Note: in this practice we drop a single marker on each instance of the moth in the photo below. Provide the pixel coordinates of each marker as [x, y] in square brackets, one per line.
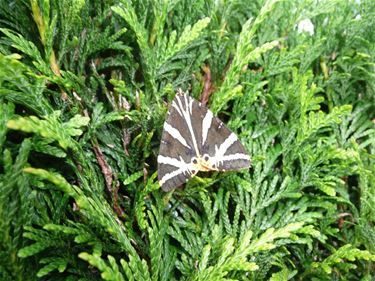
[193, 140]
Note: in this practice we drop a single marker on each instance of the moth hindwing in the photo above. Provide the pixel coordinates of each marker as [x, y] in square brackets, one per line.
[195, 140]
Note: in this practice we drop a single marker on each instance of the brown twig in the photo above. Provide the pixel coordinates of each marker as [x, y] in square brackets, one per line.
[341, 221]
[207, 87]
[106, 169]
[145, 174]
[108, 176]
[125, 141]
[116, 206]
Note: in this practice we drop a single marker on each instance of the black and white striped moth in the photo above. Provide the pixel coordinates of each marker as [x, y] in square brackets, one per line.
[195, 140]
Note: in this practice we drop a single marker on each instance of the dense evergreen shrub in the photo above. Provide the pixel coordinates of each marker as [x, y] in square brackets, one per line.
[84, 90]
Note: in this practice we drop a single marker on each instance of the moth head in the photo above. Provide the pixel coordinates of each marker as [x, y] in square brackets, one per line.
[207, 162]
[195, 165]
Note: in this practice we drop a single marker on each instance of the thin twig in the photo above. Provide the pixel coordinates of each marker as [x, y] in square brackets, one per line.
[108, 176]
[106, 169]
[207, 88]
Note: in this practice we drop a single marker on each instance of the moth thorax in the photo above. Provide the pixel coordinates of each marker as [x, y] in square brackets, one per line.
[203, 163]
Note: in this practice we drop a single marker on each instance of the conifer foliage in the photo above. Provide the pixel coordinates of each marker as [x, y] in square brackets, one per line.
[84, 90]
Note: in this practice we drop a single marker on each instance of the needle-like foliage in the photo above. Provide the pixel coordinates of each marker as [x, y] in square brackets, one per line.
[84, 90]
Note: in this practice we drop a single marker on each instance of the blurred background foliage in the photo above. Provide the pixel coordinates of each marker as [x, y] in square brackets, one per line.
[84, 90]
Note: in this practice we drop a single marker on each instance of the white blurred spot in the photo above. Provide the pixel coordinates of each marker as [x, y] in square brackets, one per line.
[306, 26]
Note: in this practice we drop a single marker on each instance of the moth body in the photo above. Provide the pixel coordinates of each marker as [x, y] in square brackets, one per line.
[195, 140]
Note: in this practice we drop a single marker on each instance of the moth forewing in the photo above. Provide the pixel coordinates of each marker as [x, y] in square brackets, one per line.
[193, 140]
